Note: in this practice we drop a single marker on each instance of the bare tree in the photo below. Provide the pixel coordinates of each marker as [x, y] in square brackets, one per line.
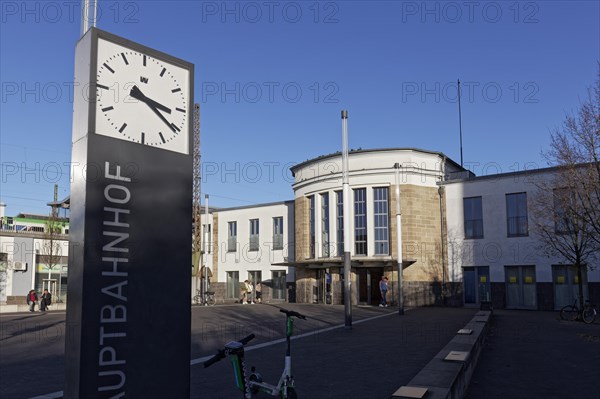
[575, 149]
[51, 252]
[566, 208]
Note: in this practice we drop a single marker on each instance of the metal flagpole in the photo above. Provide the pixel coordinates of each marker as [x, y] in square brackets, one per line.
[85, 15]
[346, 210]
[206, 248]
[460, 125]
[399, 240]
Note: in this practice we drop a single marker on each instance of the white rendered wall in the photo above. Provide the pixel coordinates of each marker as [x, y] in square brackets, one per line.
[496, 249]
[244, 260]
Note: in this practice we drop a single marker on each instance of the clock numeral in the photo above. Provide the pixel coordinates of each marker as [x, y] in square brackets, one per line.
[180, 110]
[109, 68]
[163, 72]
[143, 137]
[175, 90]
[124, 58]
[107, 109]
[162, 137]
[122, 127]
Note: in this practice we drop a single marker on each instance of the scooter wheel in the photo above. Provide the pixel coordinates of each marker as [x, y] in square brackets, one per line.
[256, 378]
[291, 393]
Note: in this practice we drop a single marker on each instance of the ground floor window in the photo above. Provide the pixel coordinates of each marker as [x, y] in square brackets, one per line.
[233, 285]
[476, 281]
[566, 285]
[521, 290]
[54, 280]
[278, 290]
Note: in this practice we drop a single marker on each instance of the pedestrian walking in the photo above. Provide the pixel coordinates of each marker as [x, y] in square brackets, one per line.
[383, 289]
[46, 300]
[249, 290]
[32, 298]
[258, 291]
[244, 293]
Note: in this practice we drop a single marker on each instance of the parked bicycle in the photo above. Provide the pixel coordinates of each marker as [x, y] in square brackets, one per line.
[573, 312]
[252, 383]
[208, 299]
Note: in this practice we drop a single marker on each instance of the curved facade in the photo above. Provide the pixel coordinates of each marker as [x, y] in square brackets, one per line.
[373, 177]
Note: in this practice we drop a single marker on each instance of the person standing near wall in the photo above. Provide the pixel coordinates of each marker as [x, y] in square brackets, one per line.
[383, 289]
[258, 291]
[46, 300]
[31, 300]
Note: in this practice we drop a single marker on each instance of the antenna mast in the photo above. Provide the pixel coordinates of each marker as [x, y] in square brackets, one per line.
[196, 216]
[460, 125]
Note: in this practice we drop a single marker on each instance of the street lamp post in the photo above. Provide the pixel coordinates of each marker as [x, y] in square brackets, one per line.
[399, 239]
[346, 213]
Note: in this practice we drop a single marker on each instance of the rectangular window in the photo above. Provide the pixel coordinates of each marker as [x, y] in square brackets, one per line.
[360, 221]
[254, 240]
[278, 232]
[381, 221]
[278, 290]
[473, 217]
[207, 238]
[311, 223]
[340, 222]
[325, 223]
[233, 285]
[516, 215]
[232, 236]
[564, 199]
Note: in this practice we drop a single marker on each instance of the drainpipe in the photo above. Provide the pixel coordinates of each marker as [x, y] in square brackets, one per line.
[441, 191]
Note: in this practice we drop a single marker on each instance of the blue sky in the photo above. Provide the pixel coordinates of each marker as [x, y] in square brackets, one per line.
[272, 77]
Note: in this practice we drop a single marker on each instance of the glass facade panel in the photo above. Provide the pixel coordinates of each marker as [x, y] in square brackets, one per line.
[233, 285]
[232, 236]
[360, 221]
[278, 290]
[325, 223]
[381, 221]
[311, 223]
[278, 232]
[473, 213]
[340, 223]
[254, 235]
[516, 214]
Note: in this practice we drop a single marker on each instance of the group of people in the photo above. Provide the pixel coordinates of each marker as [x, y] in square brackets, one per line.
[251, 294]
[45, 301]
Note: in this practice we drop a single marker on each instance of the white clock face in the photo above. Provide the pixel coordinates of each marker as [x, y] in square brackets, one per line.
[141, 98]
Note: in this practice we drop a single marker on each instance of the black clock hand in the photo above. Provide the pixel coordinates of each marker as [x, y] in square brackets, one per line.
[138, 95]
[161, 116]
[154, 106]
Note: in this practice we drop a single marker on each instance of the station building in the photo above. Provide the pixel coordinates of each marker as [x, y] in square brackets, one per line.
[465, 239]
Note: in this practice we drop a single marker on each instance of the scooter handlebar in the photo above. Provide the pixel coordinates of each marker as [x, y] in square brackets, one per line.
[220, 355]
[292, 313]
[247, 339]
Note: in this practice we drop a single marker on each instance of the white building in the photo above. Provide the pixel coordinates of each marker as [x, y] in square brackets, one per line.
[465, 239]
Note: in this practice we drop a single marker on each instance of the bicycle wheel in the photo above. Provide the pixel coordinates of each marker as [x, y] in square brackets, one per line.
[210, 300]
[291, 393]
[197, 299]
[588, 315]
[568, 313]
